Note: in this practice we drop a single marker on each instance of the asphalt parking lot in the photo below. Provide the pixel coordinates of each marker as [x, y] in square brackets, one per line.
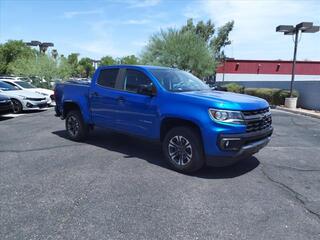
[118, 187]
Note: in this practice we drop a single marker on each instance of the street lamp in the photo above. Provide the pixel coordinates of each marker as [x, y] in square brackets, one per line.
[95, 63]
[304, 27]
[43, 46]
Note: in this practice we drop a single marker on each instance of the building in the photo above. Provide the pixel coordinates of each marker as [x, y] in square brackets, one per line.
[275, 74]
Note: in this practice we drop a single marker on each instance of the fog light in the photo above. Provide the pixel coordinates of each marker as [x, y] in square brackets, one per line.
[29, 105]
[232, 144]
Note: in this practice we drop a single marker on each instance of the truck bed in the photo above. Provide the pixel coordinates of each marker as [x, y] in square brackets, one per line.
[71, 91]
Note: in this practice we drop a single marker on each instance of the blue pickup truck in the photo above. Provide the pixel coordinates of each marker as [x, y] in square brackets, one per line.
[196, 125]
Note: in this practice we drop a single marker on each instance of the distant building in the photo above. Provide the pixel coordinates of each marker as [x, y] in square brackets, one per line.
[275, 74]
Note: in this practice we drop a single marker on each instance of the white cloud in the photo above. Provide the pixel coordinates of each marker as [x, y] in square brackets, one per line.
[136, 21]
[143, 3]
[72, 14]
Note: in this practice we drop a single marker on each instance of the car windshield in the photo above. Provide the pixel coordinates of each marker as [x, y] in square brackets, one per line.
[24, 84]
[7, 87]
[178, 81]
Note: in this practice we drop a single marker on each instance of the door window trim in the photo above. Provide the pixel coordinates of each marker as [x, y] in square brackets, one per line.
[122, 80]
[116, 84]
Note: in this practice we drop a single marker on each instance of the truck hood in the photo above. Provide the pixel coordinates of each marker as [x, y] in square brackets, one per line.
[228, 100]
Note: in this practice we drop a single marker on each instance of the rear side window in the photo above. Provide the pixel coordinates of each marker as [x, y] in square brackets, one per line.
[108, 77]
[134, 80]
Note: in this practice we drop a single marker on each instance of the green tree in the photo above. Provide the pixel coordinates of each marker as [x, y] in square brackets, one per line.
[221, 40]
[207, 31]
[194, 47]
[181, 49]
[204, 30]
[131, 60]
[42, 67]
[73, 62]
[85, 67]
[11, 51]
[107, 60]
[64, 68]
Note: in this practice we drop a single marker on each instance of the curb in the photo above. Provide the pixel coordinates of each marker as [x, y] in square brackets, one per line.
[313, 115]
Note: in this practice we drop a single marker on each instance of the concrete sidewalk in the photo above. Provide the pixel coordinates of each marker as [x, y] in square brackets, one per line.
[310, 113]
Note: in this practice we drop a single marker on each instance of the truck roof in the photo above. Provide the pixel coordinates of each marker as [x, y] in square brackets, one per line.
[147, 67]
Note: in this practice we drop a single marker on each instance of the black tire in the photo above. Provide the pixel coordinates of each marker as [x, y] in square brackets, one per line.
[76, 129]
[189, 157]
[17, 106]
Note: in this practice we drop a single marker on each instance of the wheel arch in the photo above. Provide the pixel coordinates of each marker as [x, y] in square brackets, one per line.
[16, 99]
[70, 106]
[170, 122]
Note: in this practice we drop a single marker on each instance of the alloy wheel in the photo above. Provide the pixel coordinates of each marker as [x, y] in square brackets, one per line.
[73, 126]
[180, 150]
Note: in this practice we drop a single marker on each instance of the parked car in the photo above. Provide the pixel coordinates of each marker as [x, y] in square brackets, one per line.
[47, 93]
[5, 104]
[195, 124]
[22, 99]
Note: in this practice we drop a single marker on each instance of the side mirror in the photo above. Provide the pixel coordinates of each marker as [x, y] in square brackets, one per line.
[149, 90]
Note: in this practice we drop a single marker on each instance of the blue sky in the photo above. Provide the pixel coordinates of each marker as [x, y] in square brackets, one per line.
[109, 27]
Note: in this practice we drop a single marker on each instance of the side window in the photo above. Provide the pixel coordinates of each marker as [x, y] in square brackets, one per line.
[10, 83]
[13, 85]
[134, 80]
[108, 77]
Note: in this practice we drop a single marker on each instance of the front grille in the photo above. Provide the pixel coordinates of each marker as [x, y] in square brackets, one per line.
[257, 120]
[36, 99]
[255, 112]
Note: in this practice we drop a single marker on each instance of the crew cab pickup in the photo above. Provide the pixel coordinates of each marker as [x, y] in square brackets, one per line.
[196, 125]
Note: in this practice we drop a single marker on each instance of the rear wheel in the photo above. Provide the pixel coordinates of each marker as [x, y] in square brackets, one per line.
[183, 149]
[76, 128]
[17, 106]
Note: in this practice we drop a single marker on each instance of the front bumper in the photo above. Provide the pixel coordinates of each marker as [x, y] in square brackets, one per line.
[34, 105]
[246, 145]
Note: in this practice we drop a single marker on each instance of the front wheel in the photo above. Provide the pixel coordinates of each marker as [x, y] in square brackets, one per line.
[17, 106]
[76, 128]
[183, 149]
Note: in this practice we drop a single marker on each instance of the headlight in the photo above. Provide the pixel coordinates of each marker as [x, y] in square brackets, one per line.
[226, 116]
[44, 94]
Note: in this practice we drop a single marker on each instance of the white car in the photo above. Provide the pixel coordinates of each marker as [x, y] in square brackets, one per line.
[23, 100]
[49, 94]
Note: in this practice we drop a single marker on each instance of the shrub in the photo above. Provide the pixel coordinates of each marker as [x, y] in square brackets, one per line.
[274, 96]
[234, 87]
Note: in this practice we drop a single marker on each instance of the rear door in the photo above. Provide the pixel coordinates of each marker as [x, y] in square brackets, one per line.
[137, 113]
[104, 98]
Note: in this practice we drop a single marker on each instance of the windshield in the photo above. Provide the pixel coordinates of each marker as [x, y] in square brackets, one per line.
[178, 81]
[24, 84]
[7, 87]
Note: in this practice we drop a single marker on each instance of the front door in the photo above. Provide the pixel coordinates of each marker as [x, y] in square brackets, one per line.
[137, 113]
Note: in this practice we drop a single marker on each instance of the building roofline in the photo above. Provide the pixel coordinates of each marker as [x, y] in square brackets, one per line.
[271, 61]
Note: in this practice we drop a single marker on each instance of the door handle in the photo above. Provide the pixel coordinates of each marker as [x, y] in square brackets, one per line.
[120, 99]
[94, 94]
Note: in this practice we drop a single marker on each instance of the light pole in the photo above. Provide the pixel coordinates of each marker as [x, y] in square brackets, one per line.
[43, 46]
[303, 27]
[95, 63]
